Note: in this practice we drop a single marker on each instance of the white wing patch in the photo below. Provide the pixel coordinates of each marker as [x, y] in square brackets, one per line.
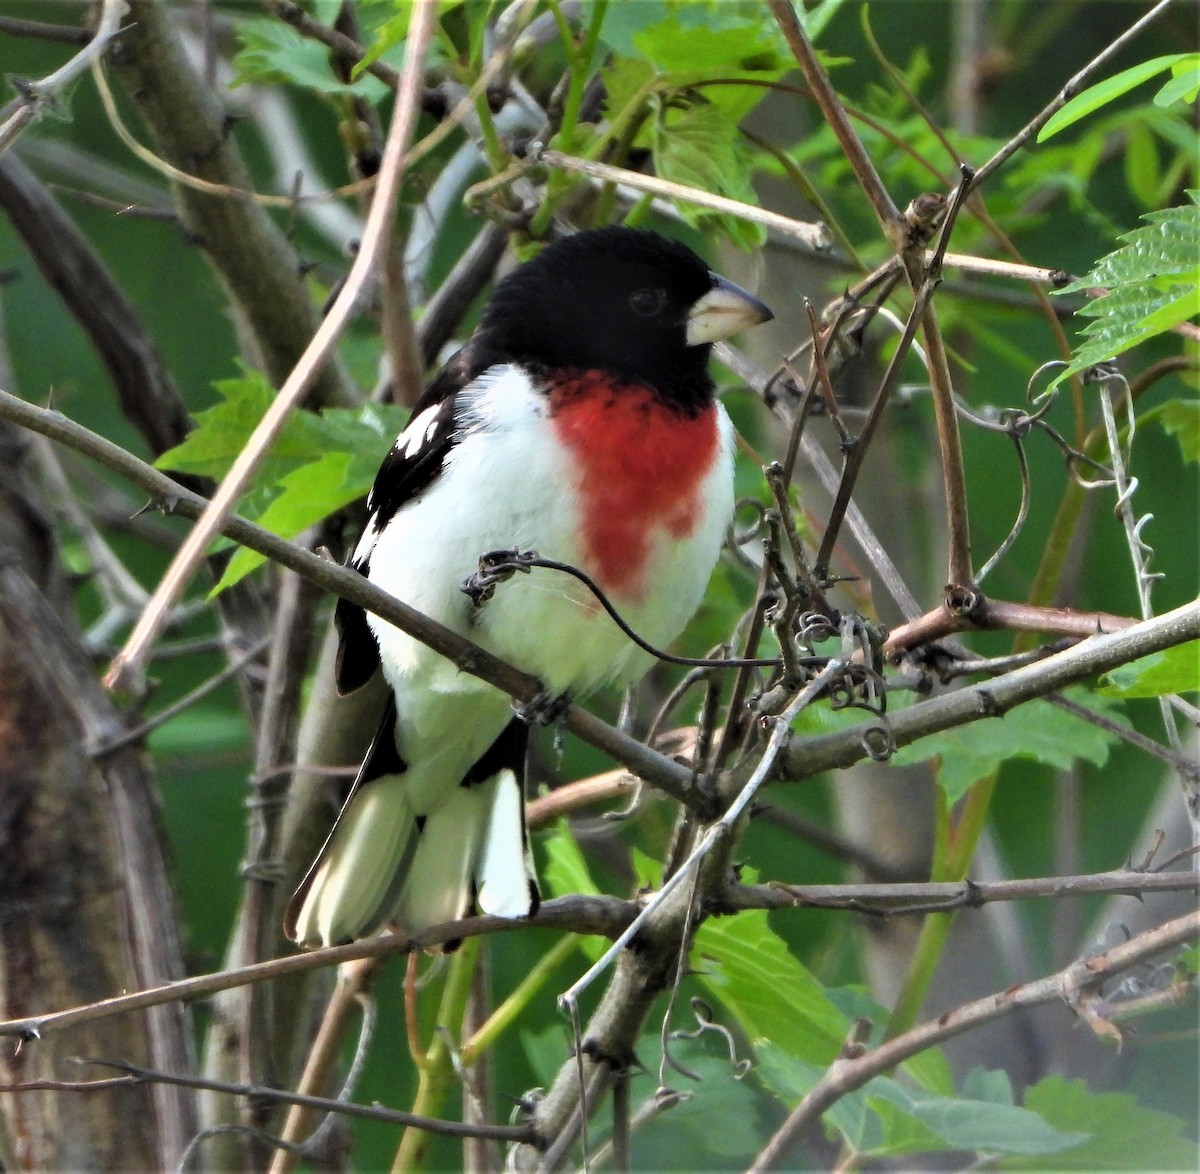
[418, 432]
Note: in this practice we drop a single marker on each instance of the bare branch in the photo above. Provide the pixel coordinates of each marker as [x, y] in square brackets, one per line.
[41, 95]
[281, 1096]
[603, 916]
[919, 897]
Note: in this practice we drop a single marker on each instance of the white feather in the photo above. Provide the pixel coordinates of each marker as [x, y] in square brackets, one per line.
[504, 872]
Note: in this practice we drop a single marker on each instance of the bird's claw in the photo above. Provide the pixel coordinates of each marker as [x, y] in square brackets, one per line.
[495, 567]
[546, 709]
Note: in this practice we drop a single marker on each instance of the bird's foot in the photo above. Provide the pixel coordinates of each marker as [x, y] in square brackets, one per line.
[495, 567]
[546, 709]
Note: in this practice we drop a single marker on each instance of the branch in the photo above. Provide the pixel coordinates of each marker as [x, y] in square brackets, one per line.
[919, 897]
[259, 1092]
[834, 113]
[993, 614]
[1068, 985]
[600, 916]
[806, 757]
[36, 97]
[1066, 94]
[812, 236]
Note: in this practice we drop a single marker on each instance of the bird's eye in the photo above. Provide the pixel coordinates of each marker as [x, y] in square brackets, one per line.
[647, 302]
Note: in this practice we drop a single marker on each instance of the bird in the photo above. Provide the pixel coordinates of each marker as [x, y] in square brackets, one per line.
[579, 421]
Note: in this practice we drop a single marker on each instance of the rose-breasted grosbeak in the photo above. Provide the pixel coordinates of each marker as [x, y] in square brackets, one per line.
[579, 421]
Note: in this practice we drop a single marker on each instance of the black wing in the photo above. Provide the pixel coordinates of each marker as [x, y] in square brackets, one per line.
[412, 465]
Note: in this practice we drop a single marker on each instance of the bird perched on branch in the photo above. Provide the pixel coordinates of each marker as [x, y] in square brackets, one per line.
[579, 421]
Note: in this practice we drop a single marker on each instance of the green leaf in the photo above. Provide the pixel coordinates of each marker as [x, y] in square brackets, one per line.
[1175, 670]
[961, 1124]
[272, 51]
[309, 494]
[1124, 1135]
[688, 1127]
[566, 873]
[1153, 283]
[988, 1084]
[1102, 93]
[222, 430]
[1036, 730]
[886, 1119]
[318, 463]
[697, 146]
[1143, 169]
[1181, 418]
[1184, 86]
[388, 36]
[200, 730]
[748, 968]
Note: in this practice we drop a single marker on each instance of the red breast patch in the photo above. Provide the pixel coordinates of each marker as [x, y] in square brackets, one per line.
[640, 467]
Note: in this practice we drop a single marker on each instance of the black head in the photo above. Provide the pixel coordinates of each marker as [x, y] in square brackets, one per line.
[620, 300]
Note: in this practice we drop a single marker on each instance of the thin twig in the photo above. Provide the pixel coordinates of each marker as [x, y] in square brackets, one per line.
[259, 1092]
[812, 236]
[40, 95]
[605, 916]
[1073, 86]
[897, 898]
[834, 113]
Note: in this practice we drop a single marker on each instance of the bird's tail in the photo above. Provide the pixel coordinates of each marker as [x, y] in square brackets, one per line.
[386, 864]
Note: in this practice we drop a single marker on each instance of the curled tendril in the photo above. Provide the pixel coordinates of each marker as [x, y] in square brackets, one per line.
[879, 741]
[706, 1022]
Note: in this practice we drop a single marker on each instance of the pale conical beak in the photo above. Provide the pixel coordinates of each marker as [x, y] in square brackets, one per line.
[724, 310]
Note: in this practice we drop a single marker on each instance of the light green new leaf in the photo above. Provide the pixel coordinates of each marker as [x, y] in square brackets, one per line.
[566, 873]
[1036, 730]
[697, 146]
[1183, 87]
[1124, 1135]
[317, 464]
[1175, 670]
[307, 495]
[1085, 102]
